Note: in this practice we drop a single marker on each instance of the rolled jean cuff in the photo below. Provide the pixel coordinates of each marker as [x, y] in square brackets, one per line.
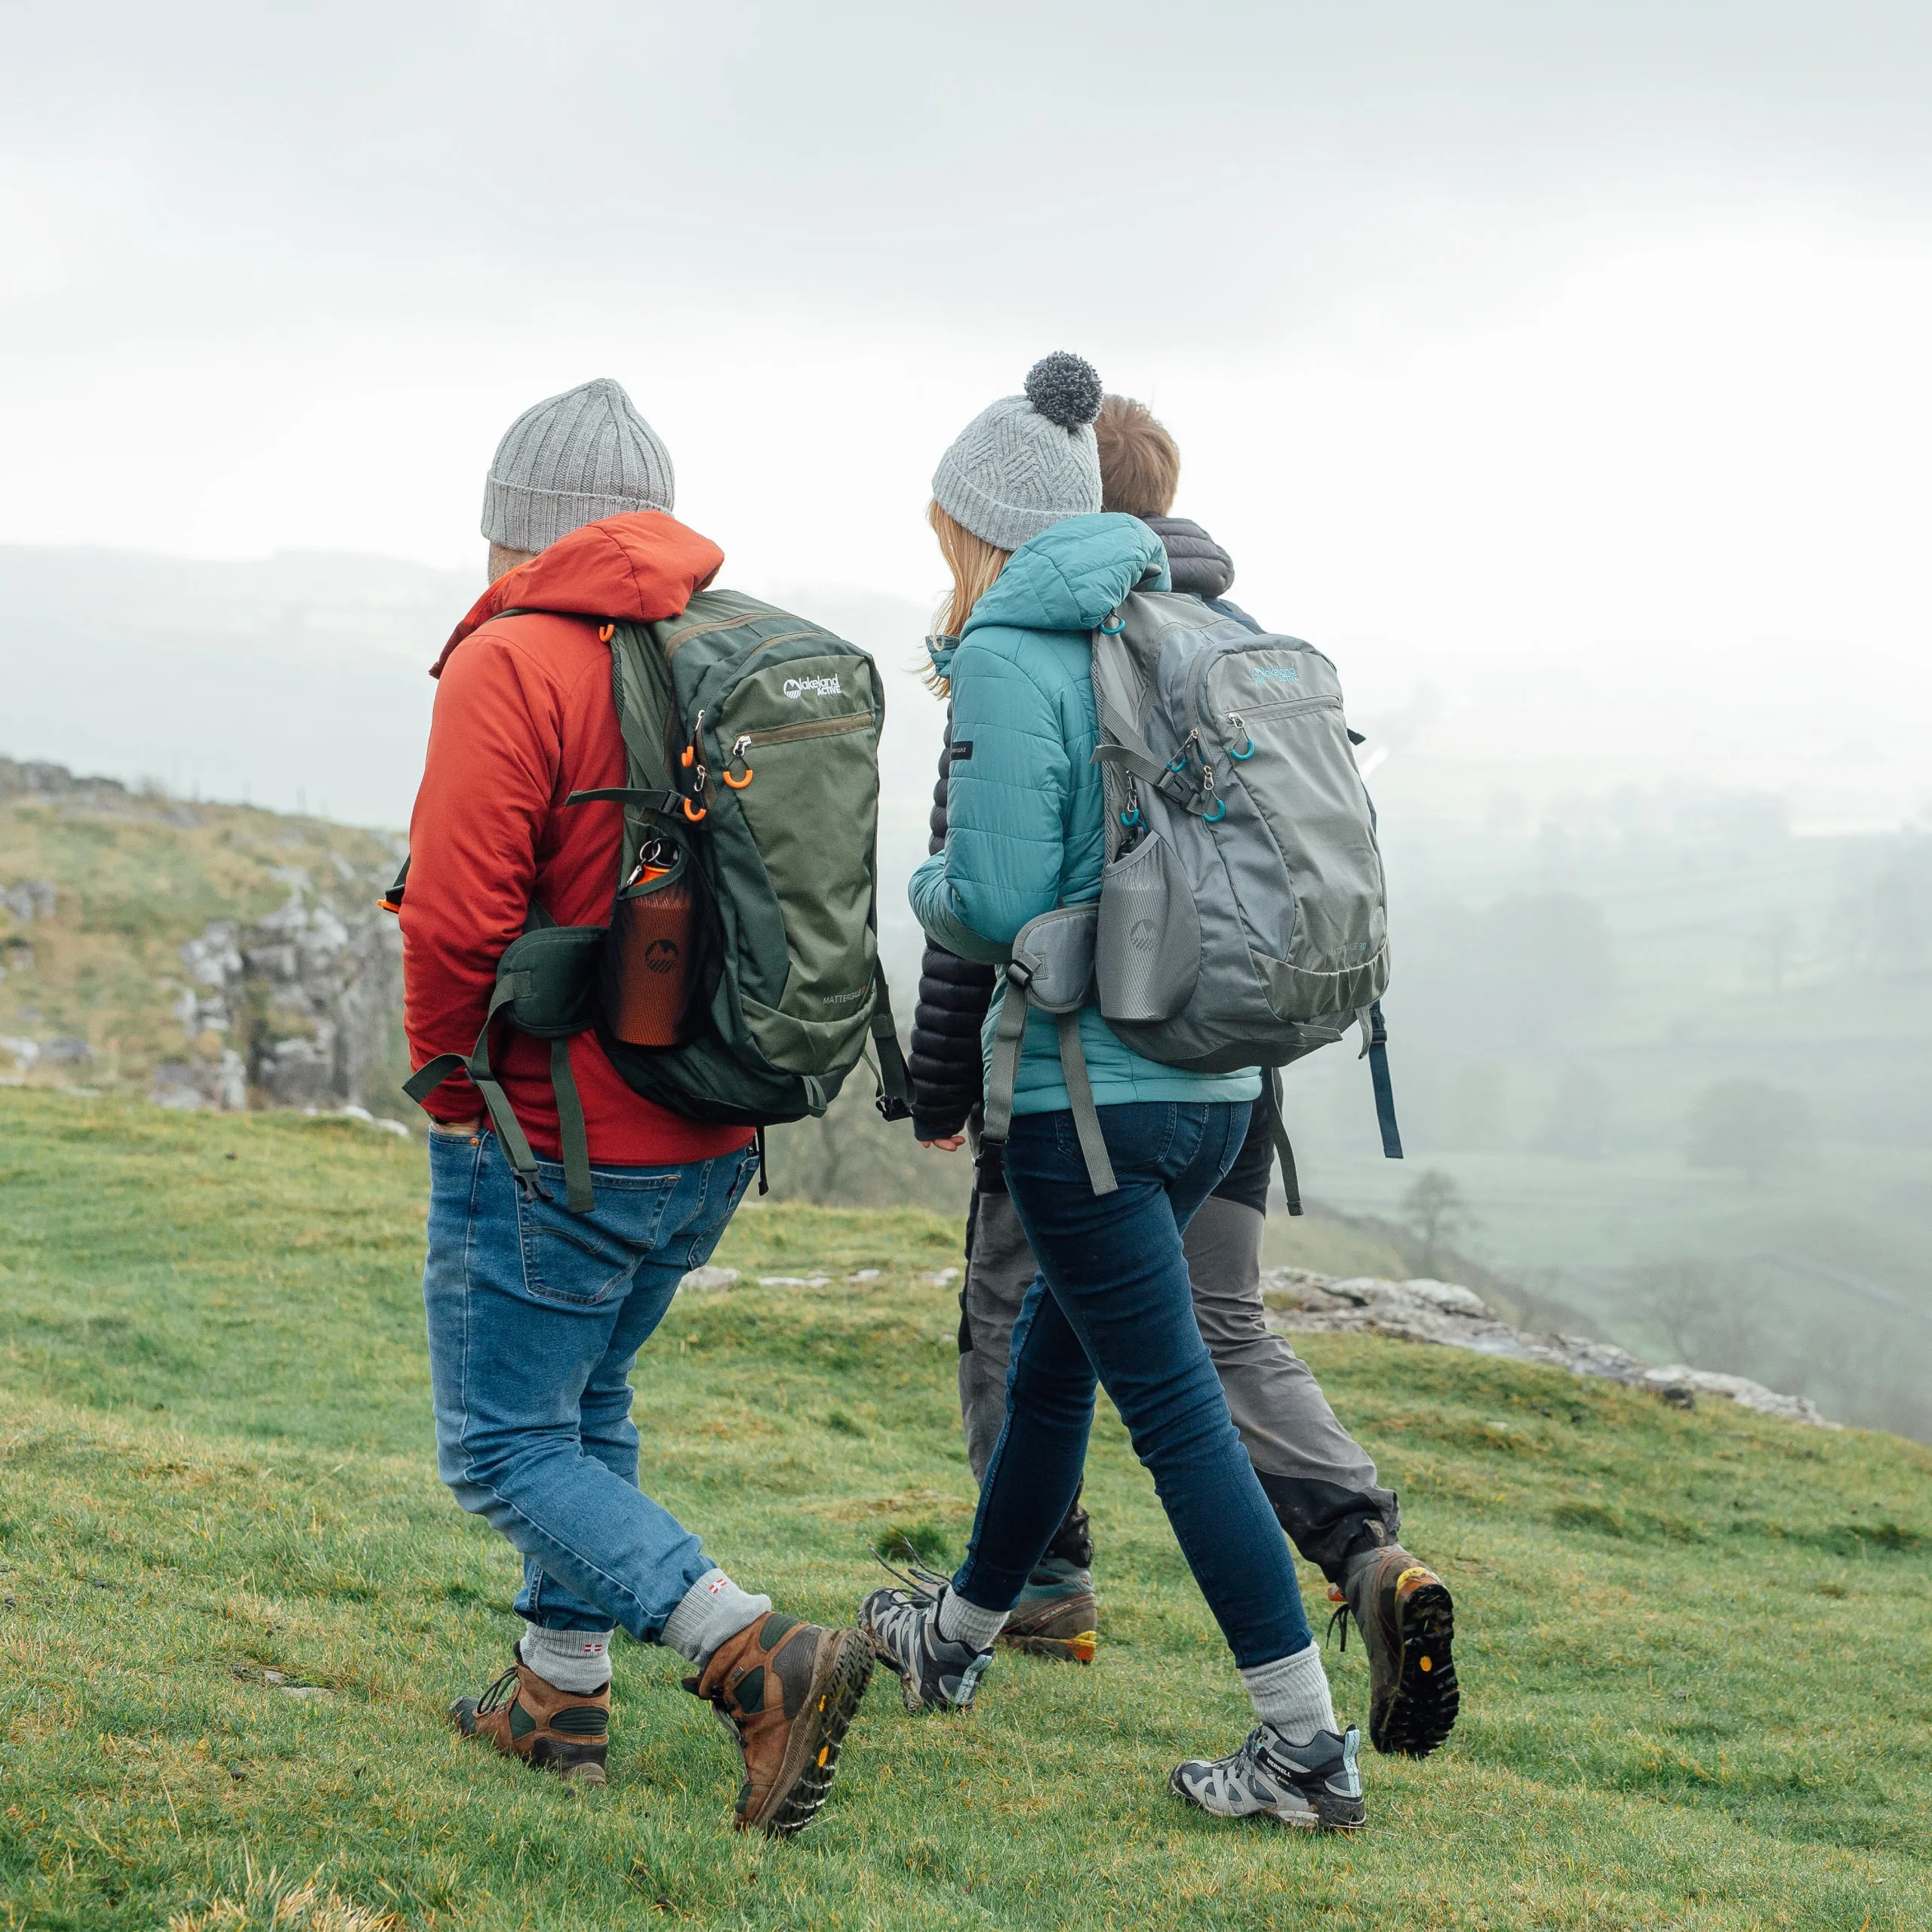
[714, 1610]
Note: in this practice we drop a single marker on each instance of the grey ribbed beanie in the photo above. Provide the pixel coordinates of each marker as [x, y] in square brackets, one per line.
[1028, 461]
[580, 456]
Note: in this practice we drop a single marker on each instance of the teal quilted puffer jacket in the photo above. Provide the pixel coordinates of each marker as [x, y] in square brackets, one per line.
[1023, 804]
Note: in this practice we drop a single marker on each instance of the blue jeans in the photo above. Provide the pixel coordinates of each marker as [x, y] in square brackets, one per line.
[535, 1315]
[1112, 1301]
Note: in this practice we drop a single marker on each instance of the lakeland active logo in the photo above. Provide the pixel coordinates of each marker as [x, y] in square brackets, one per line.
[825, 687]
[1275, 674]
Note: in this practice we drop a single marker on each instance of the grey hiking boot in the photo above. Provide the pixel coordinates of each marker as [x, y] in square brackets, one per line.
[903, 1625]
[1314, 1787]
[1057, 1615]
[1407, 1623]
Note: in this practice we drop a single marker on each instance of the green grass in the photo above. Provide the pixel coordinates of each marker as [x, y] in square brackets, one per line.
[1693, 1646]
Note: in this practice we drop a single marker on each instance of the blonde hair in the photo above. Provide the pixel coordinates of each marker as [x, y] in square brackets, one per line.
[975, 564]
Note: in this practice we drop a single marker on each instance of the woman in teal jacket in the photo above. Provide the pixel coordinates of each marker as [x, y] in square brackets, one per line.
[1035, 569]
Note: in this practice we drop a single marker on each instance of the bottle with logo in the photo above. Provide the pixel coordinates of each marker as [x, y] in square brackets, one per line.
[648, 980]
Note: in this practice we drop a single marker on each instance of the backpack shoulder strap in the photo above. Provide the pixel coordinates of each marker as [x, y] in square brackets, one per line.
[1052, 968]
[1377, 1050]
[1278, 1132]
[549, 980]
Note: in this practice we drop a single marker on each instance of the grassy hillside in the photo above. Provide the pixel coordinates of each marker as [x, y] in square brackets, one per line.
[1693, 1644]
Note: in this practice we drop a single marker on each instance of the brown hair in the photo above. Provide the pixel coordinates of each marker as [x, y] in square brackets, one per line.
[1140, 462]
[975, 564]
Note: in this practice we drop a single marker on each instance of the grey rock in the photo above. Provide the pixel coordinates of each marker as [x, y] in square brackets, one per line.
[36, 778]
[710, 1281]
[200, 1085]
[306, 993]
[29, 900]
[1444, 1312]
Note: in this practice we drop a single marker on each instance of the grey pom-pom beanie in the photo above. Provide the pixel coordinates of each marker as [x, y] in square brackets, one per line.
[568, 461]
[1027, 462]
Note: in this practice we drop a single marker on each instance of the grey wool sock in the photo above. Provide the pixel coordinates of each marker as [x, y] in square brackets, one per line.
[1292, 1695]
[714, 1610]
[963, 1622]
[577, 1660]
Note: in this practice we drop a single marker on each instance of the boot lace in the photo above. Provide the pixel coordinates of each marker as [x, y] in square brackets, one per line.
[922, 1582]
[1344, 1616]
[500, 1694]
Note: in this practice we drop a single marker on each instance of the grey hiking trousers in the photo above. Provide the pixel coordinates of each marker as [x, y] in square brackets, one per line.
[1319, 1480]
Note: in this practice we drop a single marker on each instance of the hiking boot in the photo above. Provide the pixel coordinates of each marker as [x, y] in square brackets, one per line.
[935, 1675]
[1408, 1625]
[1056, 1615]
[525, 1717]
[1314, 1787]
[786, 1692]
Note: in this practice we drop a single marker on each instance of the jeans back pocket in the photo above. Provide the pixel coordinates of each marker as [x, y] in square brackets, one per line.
[584, 1260]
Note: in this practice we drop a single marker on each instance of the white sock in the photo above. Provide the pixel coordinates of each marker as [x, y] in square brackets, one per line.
[1292, 1695]
[577, 1660]
[963, 1622]
[714, 1610]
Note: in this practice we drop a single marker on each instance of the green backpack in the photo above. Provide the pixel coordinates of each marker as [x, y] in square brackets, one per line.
[750, 738]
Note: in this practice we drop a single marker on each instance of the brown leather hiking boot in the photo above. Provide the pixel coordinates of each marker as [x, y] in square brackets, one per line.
[524, 1716]
[1407, 1624]
[786, 1692]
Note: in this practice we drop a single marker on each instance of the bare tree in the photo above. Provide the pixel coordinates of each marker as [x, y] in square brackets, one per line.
[1749, 1125]
[1435, 1211]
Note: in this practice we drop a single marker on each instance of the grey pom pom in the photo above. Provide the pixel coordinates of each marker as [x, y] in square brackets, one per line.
[1065, 389]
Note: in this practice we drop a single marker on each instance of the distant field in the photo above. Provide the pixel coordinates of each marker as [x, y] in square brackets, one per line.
[1693, 1644]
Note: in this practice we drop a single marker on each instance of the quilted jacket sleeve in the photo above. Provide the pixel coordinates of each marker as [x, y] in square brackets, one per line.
[1006, 808]
[954, 995]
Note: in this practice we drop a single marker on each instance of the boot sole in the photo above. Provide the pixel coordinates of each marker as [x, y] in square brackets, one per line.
[1079, 1648]
[1356, 1819]
[1427, 1699]
[1057, 1632]
[838, 1687]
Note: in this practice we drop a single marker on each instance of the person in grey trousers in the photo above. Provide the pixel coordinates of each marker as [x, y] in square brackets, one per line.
[1321, 1483]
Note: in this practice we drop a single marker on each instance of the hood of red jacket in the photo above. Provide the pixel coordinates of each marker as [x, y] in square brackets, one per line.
[637, 569]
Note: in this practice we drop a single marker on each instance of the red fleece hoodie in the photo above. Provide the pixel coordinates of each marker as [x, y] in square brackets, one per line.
[524, 717]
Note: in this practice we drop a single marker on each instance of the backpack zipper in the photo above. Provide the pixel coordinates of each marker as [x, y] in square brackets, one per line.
[806, 727]
[1277, 706]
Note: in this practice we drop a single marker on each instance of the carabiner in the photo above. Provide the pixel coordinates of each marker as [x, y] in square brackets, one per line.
[737, 752]
[1235, 720]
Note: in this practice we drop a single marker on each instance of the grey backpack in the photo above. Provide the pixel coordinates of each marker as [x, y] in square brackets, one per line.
[1242, 920]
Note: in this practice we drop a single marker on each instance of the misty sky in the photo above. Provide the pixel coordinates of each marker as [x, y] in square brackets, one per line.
[1563, 369]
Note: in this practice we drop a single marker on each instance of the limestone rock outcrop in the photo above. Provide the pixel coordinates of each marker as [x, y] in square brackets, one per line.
[1302, 1303]
[297, 1006]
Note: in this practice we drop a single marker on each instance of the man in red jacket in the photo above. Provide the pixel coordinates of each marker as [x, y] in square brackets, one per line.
[536, 1314]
